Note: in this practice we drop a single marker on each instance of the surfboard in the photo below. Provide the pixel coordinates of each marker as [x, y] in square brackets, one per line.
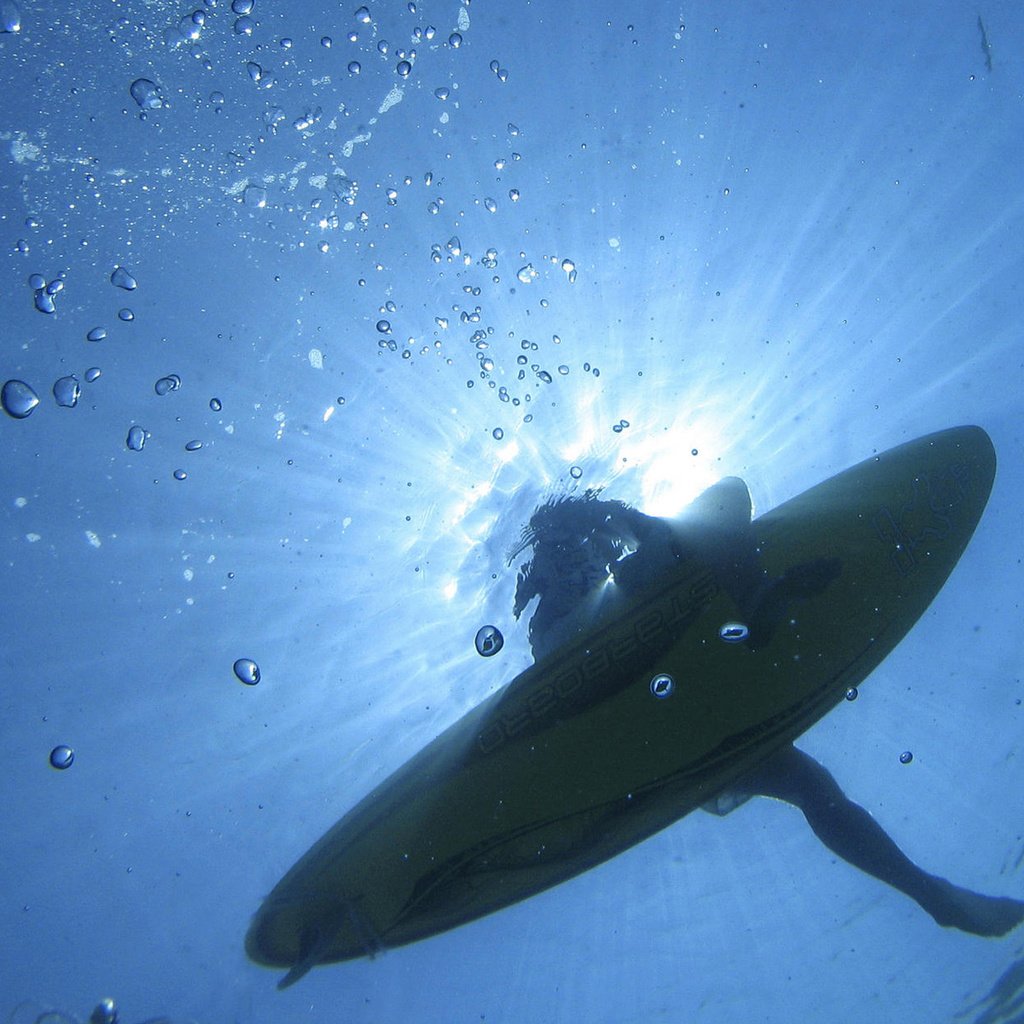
[634, 724]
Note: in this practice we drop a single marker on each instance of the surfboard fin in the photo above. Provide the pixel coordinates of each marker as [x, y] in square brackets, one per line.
[318, 938]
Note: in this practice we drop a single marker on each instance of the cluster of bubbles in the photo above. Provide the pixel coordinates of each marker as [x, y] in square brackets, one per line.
[19, 399]
[365, 32]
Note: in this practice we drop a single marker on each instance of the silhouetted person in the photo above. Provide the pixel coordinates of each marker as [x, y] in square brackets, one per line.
[590, 557]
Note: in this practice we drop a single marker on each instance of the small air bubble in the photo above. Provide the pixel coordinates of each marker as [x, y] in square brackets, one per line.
[247, 671]
[121, 278]
[662, 686]
[62, 757]
[146, 94]
[66, 391]
[734, 632]
[489, 641]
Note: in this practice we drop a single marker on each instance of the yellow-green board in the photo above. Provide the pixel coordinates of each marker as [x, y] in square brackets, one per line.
[644, 718]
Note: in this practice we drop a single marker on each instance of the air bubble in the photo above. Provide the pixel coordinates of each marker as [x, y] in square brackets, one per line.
[167, 384]
[136, 439]
[247, 671]
[66, 391]
[575, 472]
[498, 434]
[489, 641]
[62, 757]
[734, 632]
[852, 693]
[121, 278]
[662, 685]
[125, 315]
[10, 17]
[193, 446]
[255, 197]
[404, 69]
[215, 404]
[96, 334]
[906, 757]
[146, 94]
[18, 399]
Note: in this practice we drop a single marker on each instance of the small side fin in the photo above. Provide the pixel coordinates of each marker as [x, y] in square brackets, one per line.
[318, 938]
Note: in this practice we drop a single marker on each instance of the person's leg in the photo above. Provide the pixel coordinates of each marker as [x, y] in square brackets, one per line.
[851, 833]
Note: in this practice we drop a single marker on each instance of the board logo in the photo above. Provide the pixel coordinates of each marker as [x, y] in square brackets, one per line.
[911, 529]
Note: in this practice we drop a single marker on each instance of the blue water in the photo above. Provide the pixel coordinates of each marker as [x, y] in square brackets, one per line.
[796, 235]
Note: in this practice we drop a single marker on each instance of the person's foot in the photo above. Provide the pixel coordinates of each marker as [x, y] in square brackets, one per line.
[972, 912]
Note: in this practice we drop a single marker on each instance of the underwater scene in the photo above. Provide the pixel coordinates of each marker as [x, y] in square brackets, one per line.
[511, 512]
